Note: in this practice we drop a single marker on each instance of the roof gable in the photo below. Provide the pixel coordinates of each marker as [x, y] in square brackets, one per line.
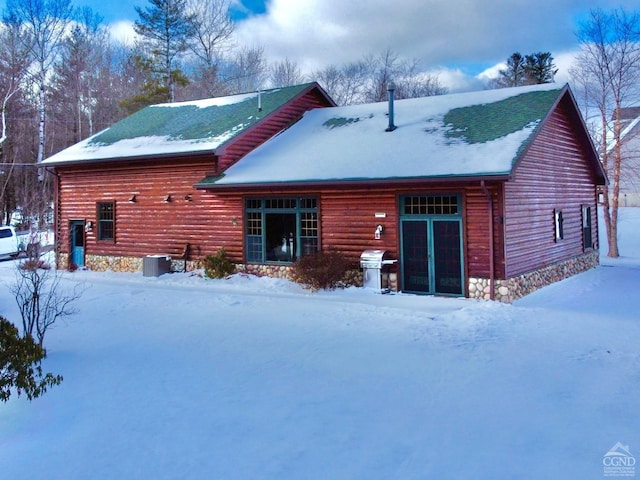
[462, 135]
[179, 128]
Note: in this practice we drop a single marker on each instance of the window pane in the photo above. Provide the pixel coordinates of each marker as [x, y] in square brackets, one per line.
[308, 203]
[253, 203]
[280, 230]
[587, 240]
[254, 249]
[105, 221]
[254, 223]
[431, 205]
[309, 224]
[309, 246]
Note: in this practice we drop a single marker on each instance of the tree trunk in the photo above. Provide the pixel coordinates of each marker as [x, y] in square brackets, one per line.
[615, 197]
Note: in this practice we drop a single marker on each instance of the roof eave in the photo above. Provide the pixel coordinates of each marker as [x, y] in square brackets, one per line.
[360, 182]
[129, 159]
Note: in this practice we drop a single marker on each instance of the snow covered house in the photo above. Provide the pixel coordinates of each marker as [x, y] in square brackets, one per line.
[488, 194]
[630, 168]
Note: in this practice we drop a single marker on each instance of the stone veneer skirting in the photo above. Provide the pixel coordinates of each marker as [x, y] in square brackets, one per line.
[504, 290]
[517, 287]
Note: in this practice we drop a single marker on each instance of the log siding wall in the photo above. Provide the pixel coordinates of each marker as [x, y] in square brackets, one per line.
[553, 174]
[150, 225]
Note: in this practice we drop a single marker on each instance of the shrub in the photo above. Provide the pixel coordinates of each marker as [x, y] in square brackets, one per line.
[33, 264]
[41, 297]
[20, 359]
[325, 269]
[218, 265]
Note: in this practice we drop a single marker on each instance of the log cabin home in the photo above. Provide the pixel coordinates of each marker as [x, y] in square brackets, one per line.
[488, 194]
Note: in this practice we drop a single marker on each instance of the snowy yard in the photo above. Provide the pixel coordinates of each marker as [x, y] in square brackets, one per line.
[179, 377]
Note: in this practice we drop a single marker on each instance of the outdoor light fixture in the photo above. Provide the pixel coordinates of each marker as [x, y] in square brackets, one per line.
[187, 197]
[133, 198]
[167, 199]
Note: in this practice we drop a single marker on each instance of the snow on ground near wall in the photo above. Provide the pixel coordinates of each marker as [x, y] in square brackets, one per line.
[250, 378]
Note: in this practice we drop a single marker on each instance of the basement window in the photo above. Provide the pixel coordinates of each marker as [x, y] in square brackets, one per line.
[106, 220]
[280, 230]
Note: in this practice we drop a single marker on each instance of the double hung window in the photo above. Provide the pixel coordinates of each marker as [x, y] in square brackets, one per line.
[106, 220]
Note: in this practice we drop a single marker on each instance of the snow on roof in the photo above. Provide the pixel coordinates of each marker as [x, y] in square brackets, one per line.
[469, 134]
[174, 128]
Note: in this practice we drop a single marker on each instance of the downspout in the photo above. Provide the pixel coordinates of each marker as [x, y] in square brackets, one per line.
[492, 269]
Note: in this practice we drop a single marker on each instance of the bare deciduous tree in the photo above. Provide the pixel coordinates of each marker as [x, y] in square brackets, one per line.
[44, 24]
[41, 297]
[285, 73]
[368, 80]
[213, 28]
[607, 72]
[246, 70]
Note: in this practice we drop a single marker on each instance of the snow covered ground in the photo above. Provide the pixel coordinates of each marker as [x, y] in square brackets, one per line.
[179, 377]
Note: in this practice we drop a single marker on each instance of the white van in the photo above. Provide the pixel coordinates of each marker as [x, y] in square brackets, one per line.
[9, 243]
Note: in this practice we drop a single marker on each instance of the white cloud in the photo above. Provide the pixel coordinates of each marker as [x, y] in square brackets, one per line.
[123, 32]
[442, 35]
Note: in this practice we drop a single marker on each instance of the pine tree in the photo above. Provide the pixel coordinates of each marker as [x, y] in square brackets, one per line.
[167, 30]
[539, 68]
[531, 69]
[514, 75]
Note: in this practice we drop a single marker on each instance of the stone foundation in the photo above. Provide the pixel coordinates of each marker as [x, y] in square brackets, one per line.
[517, 287]
[351, 278]
[104, 263]
[504, 290]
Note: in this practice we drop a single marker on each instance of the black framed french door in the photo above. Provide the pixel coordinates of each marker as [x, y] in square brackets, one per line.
[431, 245]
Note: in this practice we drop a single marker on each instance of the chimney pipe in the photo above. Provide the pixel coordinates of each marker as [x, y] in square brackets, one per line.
[259, 100]
[391, 89]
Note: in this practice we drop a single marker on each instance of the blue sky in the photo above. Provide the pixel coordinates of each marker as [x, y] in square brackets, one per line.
[460, 40]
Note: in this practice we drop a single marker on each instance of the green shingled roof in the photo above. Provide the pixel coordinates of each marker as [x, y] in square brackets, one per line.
[490, 121]
[472, 134]
[192, 121]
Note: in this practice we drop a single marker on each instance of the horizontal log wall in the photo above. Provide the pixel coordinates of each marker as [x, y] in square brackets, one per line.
[150, 225]
[553, 174]
[208, 222]
[348, 220]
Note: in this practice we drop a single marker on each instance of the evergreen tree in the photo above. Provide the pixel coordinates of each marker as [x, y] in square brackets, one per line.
[539, 68]
[514, 75]
[20, 360]
[167, 29]
[528, 70]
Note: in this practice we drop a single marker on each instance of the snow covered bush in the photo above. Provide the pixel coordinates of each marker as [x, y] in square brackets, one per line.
[218, 265]
[325, 269]
[20, 369]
